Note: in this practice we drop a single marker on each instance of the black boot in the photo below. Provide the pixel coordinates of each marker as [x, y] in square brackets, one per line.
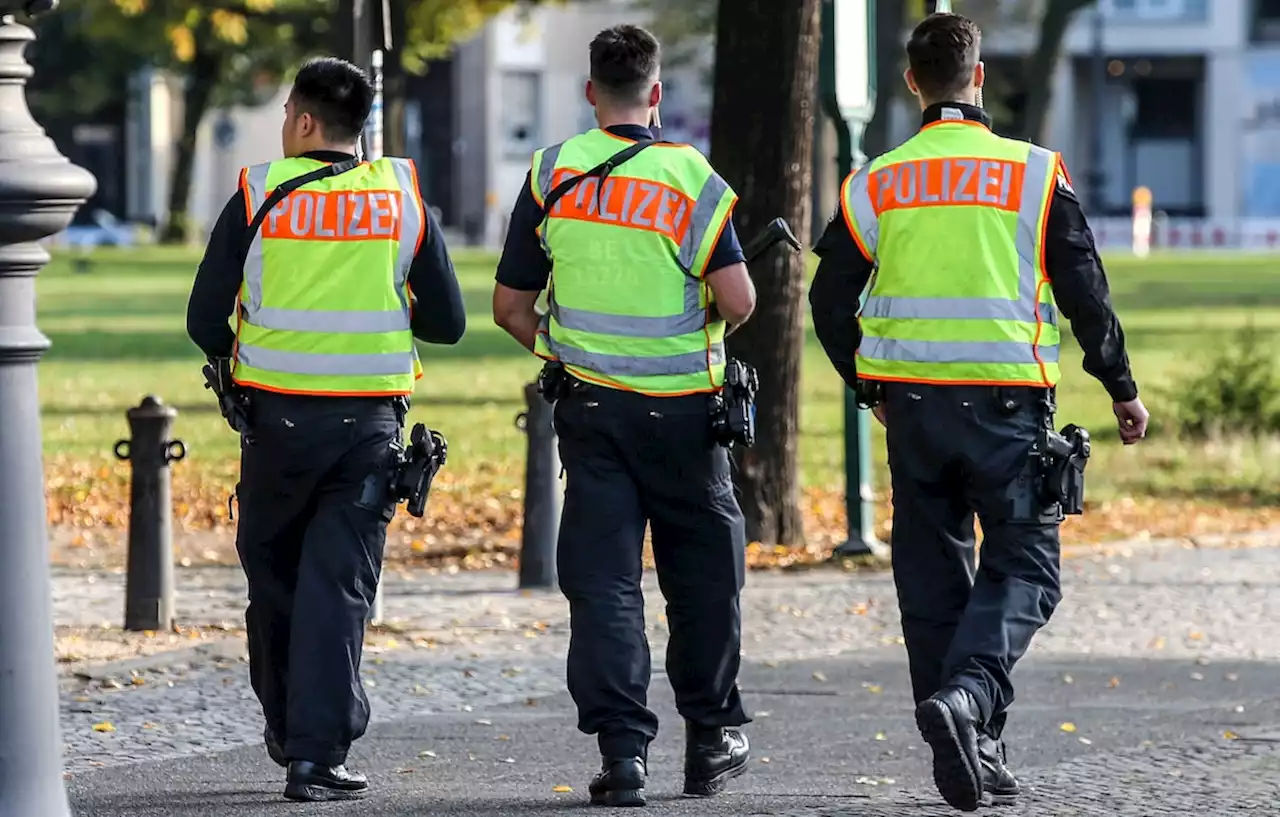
[947, 722]
[712, 757]
[999, 786]
[619, 783]
[274, 749]
[313, 782]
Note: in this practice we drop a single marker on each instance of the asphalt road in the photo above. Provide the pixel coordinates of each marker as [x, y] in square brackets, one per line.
[833, 736]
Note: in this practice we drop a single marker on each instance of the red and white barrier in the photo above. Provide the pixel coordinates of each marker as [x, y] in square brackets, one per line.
[1247, 234]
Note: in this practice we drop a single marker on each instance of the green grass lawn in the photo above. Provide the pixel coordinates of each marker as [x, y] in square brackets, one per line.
[118, 332]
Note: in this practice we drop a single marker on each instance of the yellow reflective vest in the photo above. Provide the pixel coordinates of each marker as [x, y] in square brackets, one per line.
[954, 219]
[324, 307]
[628, 304]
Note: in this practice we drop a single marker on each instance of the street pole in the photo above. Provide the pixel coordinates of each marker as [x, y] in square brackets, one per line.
[848, 95]
[1098, 87]
[40, 192]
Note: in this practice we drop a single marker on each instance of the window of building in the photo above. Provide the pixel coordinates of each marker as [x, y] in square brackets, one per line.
[521, 113]
[1152, 9]
[1266, 20]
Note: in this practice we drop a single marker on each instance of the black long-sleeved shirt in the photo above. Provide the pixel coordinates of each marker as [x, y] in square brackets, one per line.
[1071, 260]
[438, 312]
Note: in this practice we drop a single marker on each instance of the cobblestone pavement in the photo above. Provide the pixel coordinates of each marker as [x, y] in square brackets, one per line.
[469, 640]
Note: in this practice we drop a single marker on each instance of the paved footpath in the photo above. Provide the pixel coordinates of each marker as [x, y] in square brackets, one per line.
[1155, 690]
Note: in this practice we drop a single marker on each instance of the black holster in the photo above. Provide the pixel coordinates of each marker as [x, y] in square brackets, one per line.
[418, 465]
[233, 401]
[733, 409]
[868, 393]
[1061, 460]
[554, 382]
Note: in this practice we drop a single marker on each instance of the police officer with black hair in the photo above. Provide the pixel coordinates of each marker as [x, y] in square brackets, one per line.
[331, 267]
[646, 278]
[972, 245]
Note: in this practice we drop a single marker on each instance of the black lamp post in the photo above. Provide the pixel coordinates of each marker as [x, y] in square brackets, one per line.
[40, 192]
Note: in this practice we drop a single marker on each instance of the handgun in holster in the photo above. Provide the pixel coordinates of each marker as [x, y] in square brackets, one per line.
[1063, 457]
[425, 455]
[733, 409]
[233, 401]
[553, 381]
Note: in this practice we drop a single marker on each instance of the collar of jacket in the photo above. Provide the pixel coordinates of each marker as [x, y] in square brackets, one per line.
[954, 111]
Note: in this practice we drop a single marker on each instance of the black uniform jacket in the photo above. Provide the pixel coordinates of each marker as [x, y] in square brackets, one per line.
[1071, 261]
[438, 313]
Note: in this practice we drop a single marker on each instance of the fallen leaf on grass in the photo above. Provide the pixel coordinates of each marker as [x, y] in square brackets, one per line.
[881, 736]
[105, 726]
[1068, 727]
[562, 789]
[1229, 735]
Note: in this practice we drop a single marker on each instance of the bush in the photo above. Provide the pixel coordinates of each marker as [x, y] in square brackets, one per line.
[1237, 392]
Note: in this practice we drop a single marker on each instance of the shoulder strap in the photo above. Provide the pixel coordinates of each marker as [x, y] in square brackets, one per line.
[287, 187]
[600, 171]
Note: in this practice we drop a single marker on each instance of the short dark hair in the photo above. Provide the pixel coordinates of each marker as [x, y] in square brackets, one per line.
[625, 61]
[338, 94]
[942, 53]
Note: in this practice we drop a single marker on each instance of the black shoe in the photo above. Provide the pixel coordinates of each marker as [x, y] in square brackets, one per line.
[713, 757]
[999, 786]
[947, 723]
[313, 782]
[274, 749]
[619, 783]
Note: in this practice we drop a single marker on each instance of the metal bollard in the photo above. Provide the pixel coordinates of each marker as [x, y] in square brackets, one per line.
[543, 497]
[149, 597]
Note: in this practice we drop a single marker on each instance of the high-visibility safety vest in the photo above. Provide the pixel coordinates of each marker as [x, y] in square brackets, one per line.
[324, 307]
[627, 305]
[954, 218]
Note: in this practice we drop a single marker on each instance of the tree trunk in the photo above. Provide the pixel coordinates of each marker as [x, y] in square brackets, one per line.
[1043, 62]
[891, 20]
[762, 143]
[395, 87]
[206, 69]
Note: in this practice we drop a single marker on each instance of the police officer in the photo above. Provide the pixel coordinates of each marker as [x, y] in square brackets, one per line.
[649, 277]
[323, 294]
[977, 243]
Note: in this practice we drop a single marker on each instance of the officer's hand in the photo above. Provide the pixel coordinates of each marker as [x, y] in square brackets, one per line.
[1133, 419]
[878, 411]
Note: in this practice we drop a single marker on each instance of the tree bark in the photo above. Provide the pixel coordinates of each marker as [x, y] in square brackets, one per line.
[1044, 61]
[762, 143]
[395, 86]
[206, 68]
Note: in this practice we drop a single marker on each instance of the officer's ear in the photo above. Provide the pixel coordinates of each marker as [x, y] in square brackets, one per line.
[979, 74]
[590, 92]
[910, 79]
[655, 95]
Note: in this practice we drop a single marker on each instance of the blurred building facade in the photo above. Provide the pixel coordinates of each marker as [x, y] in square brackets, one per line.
[1189, 107]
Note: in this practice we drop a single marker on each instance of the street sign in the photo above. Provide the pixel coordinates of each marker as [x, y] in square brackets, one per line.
[854, 87]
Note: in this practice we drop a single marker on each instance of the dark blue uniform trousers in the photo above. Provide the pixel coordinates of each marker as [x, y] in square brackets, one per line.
[956, 452]
[631, 460]
[314, 506]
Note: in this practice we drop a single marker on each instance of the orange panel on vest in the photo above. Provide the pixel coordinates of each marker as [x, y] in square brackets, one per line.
[626, 202]
[341, 215]
[948, 182]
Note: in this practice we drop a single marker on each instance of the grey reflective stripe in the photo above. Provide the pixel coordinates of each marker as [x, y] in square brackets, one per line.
[412, 225]
[954, 351]
[890, 306]
[701, 221]
[547, 170]
[1026, 240]
[632, 326]
[864, 212]
[256, 180]
[346, 322]
[628, 366]
[389, 363]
